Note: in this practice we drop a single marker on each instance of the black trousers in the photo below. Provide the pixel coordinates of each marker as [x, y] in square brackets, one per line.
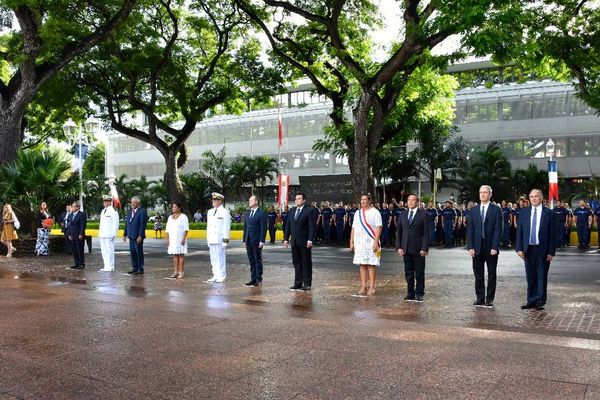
[302, 260]
[479, 262]
[414, 270]
[256, 263]
[77, 247]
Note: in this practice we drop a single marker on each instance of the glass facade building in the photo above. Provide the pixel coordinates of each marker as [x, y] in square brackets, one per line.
[491, 105]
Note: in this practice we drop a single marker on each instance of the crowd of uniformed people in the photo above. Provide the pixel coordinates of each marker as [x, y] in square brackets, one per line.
[448, 222]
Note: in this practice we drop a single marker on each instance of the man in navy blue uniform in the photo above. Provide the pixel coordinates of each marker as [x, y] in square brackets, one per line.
[326, 215]
[271, 220]
[385, 221]
[135, 229]
[255, 232]
[340, 222]
[449, 219]
[597, 217]
[483, 235]
[76, 225]
[561, 223]
[433, 216]
[583, 222]
[536, 244]
[284, 217]
[505, 224]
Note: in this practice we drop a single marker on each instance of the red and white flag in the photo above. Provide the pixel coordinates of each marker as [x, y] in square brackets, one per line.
[552, 183]
[280, 125]
[284, 190]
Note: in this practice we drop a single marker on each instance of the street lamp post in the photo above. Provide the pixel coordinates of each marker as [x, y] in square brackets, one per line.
[73, 133]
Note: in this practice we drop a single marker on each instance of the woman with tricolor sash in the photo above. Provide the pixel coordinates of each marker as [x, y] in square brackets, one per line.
[364, 242]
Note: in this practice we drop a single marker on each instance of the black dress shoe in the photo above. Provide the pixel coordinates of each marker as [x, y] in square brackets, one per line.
[138, 273]
[489, 303]
[419, 299]
[305, 287]
[76, 267]
[478, 303]
[133, 271]
[249, 284]
[539, 307]
[527, 306]
[409, 298]
[296, 287]
[259, 283]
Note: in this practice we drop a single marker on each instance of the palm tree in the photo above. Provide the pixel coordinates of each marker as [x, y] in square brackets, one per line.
[197, 189]
[526, 179]
[216, 169]
[264, 167]
[38, 175]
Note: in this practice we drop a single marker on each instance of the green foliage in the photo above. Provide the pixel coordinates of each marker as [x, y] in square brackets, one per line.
[554, 38]
[37, 175]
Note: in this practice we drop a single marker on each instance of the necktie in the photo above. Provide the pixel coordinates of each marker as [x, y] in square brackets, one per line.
[483, 222]
[410, 217]
[296, 214]
[532, 233]
[251, 215]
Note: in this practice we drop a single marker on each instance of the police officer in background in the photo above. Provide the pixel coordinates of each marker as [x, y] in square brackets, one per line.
[271, 220]
[385, 220]
[561, 223]
[340, 222]
[505, 224]
[449, 220]
[433, 216]
[570, 218]
[326, 216]
[597, 217]
[283, 216]
[583, 221]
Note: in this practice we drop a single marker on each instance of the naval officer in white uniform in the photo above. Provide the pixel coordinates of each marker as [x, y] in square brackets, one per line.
[218, 226]
[109, 226]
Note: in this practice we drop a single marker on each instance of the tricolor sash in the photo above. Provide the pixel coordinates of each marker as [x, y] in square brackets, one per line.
[362, 218]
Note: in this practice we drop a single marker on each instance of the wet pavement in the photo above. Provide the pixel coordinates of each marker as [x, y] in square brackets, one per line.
[87, 334]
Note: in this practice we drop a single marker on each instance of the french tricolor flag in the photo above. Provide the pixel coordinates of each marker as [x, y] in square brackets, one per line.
[552, 183]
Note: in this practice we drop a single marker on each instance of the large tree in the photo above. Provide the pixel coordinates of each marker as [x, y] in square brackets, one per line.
[174, 62]
[47, 37]
[555, 38]
[329, 42]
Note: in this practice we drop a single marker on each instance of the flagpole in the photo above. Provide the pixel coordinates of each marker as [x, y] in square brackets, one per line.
[80, 171]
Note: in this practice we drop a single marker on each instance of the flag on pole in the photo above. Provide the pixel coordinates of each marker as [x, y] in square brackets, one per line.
[115, 196]
[280, 125]
[552, 183]
[284, 185]
[78, 159]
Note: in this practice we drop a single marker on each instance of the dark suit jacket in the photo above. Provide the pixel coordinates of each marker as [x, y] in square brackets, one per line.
[546, 235]
[61, 221]
[413, 238]
[77, 225]
[136, 226]
[303, 229]
[255, 231]
[493, 228]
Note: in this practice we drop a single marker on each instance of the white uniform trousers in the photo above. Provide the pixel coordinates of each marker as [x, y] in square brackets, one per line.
[107, 247]
[217, 260]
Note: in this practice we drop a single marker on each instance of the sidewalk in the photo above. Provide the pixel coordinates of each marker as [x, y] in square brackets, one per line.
[79, 335]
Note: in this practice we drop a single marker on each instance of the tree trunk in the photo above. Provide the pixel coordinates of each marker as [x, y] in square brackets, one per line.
[171, 179]
[360, 163]
[11, 132]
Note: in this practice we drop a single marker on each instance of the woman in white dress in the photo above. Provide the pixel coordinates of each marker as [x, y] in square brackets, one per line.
[176, 236]
[364, 242]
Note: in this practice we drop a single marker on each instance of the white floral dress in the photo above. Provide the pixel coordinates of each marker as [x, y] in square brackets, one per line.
[365, 226]
[176, 228]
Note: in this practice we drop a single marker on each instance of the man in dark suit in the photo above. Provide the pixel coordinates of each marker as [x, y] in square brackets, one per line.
[76, 224]
[302, 227]
[412, 243]
[484, 231]
[135, 229]
[536, 244]
[255, 232]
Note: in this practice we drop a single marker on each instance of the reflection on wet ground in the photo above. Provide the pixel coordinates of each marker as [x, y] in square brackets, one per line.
[89, 334]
